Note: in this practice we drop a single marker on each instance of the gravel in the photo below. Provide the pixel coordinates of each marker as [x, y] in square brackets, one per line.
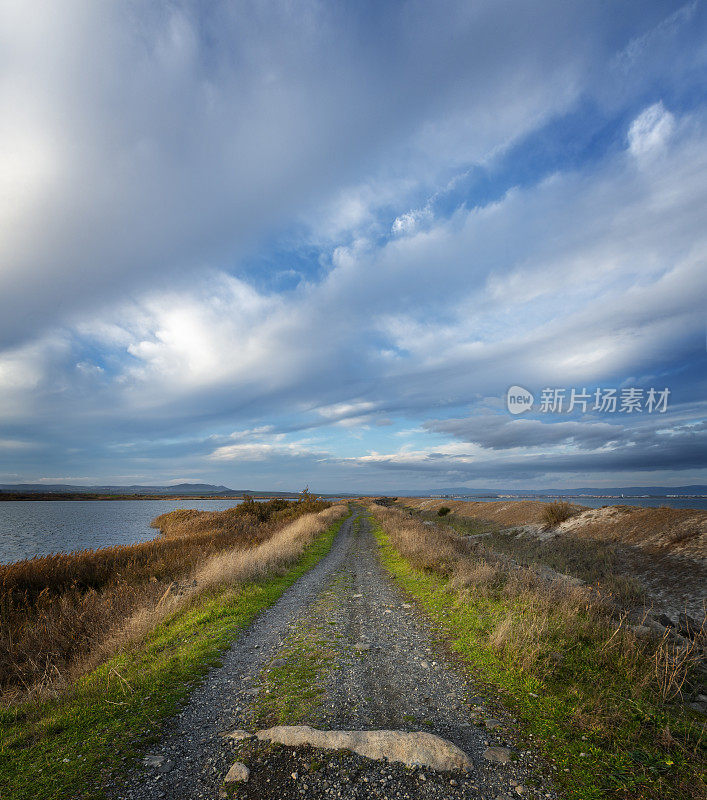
[389, 672]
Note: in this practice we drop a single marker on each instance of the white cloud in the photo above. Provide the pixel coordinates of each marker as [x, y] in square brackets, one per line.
[409, 222]
[138, 144]
[415, 321]
[651, 130]
[135, 186]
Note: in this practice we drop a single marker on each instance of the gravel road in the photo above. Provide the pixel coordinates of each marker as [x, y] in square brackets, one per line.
[380, 667]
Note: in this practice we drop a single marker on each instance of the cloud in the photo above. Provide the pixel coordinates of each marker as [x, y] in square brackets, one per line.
[677, 451]
[651, 130]
[238, 226]
[140, 145]
[499, 433]
[409, 221]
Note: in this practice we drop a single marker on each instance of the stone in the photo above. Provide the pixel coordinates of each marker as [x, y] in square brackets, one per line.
[237, 735]
[655, 626]
[492, 724]
[238, 773]
[362, 646]
[665, 621]
[153, 761]
[411, 749]
[498, 755]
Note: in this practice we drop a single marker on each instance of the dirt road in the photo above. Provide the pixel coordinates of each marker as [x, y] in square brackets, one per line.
[341, 649]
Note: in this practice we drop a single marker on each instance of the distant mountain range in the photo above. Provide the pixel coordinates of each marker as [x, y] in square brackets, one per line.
[208, 489]
[172, 489]
[613, 491]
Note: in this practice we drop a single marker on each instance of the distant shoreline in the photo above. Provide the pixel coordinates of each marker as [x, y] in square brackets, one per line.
[6, 496]
[570, 496]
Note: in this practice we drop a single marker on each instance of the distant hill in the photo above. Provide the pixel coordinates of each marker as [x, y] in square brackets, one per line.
[179, 488]
[614, 491]
[65, 490]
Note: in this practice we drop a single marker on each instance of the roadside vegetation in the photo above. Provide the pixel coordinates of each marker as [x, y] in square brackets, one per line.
[555, 513]
[74, 744]
[62, 614]
[658, 531]
[600, 699]
[600, 564]
[292, 686]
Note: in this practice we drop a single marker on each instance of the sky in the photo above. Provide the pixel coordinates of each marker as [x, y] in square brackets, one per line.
[271, 244]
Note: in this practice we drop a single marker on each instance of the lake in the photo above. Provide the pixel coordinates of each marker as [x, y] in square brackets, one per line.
[40, 527]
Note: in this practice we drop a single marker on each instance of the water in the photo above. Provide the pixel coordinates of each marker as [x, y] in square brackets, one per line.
[598, 502]
[40, 527]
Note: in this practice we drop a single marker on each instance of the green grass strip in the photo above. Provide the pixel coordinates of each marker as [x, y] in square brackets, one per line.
[629, 761]
[72, 747]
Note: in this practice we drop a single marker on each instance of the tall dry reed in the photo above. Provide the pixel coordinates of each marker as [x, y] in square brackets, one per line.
[532, 619]
[60, 613]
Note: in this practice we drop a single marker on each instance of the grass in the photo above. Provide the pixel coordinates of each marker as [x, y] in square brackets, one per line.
[75, 745]
[601, 564]
[586, 693]
[555, 513]
[58, 612]
[662, 531]
[292, 687]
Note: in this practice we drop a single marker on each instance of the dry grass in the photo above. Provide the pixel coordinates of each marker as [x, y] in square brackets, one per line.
[555, 513]
[599, 697]
[62, 614]
[541, 616]
[273, 555]
[676, 661]
[656, 530]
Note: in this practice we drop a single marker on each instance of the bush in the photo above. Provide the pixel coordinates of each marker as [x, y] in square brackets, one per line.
[443, 511]
[281, 510]
[555, 513]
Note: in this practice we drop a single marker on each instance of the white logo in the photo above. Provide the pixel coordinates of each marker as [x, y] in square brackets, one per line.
[518, 400]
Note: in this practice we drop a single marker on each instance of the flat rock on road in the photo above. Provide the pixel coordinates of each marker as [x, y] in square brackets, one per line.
[383, 669]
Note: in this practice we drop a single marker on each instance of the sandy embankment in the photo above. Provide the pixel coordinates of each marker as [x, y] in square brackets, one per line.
[661, 531]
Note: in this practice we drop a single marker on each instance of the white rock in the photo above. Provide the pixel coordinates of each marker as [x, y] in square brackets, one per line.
[237, 736]
[412, 749]
[238, 773]
[497, 755]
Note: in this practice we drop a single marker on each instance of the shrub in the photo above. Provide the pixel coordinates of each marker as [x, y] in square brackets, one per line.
[443, 511]
[555, 513]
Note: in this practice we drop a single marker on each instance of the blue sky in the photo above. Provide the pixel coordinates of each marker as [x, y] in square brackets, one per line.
[278, 243]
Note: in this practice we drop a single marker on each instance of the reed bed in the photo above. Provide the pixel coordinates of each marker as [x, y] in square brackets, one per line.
[59, 614]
